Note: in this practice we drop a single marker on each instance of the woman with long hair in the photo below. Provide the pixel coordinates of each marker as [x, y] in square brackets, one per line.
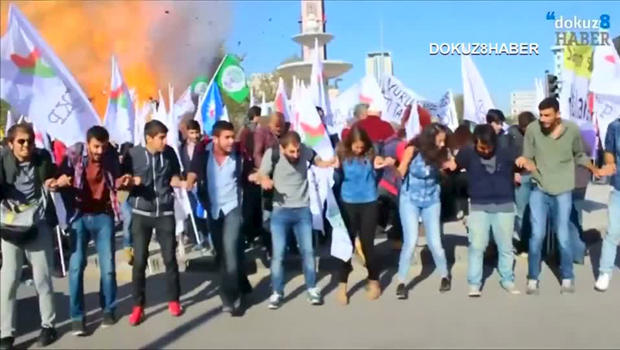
[359, 163]
[425, 156]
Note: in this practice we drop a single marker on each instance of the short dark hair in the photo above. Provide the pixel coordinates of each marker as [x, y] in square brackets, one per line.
[99, 133]
[254, 111]
[525, 118]
[222, 125]
[549, 102]
[495, 116]
[21, 127]
[485, 134]
[192, 125]
[154, 127]
[290, 137]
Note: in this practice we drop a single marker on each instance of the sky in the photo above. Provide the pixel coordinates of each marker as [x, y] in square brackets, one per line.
[262, 31]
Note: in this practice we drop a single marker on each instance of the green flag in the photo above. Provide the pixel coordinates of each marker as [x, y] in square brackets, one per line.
[199, 85]
[231, 79]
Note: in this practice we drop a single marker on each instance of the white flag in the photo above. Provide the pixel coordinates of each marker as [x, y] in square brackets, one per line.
[576, 73]
[318, 92]
[605, 84]
[343, 107]
[183, 106]
[606, 109]
[141, 117]
[476, 98]
[605, 78]
[370, 93]
[120, 113]
[281, 101]
[36, 83]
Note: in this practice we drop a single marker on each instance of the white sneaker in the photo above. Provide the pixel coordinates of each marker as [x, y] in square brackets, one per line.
[275, 300]
[474, 291]
[314, 296]
[511, 288]
[568, 286]
[532, 287]
[602, 283]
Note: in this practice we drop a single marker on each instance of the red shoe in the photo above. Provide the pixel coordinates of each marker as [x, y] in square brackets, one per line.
[137, 316]
[175, 308]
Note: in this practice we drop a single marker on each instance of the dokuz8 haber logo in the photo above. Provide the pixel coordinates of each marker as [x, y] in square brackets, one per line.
[580, 31]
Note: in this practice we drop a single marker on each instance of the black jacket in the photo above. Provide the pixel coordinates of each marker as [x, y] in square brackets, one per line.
[154, 196]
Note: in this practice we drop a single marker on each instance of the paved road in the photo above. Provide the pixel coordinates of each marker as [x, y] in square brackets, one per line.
[587, 319]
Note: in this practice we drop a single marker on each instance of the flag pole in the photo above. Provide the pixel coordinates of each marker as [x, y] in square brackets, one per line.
[215, 74]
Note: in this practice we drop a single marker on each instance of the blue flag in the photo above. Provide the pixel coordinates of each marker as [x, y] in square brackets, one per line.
[212, 109]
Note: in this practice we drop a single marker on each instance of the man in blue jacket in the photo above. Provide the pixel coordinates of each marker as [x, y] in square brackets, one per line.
[490, 175]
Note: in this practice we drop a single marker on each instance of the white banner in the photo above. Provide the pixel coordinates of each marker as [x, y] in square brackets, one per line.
[444, 110]
[397, 98]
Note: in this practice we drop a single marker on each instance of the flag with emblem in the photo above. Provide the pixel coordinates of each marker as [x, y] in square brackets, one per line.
[120, 113]
[35, 82]
[231, 79]
[211, 109]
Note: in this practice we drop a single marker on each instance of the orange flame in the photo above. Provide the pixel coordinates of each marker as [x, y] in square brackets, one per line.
[84, 34]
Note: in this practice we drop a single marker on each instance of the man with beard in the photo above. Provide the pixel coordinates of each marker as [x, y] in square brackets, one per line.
[551, 149]
[490, 174]
[218, 168]
[287, 174]
[90, 176]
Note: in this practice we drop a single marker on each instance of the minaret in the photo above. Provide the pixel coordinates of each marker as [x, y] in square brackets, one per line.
[313, 29]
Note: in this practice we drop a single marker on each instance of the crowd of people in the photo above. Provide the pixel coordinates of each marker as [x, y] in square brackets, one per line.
[507, 184]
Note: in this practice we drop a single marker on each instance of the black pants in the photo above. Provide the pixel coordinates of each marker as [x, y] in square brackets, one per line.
[361, 219]
[141, 231]
[252, 212]
[388, 204]
[226, 233]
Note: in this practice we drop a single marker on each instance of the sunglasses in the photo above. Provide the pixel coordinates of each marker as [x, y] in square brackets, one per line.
[21, 142]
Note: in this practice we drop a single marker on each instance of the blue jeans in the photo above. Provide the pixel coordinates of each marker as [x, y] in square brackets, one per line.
[480, 224]
[558, 207]
[409, 216]
[612, 239]
[300, 220]
[101, 228]
[522, 199]
[126, 213]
